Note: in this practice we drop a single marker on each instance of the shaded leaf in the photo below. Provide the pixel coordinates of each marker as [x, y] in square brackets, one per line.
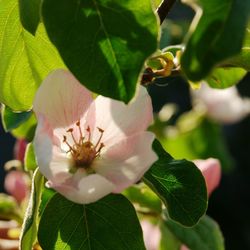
[180, 185]
[12, 120]
[243, 59]
[206, 235]
[26, 130]
[217, 33]
[30, 14]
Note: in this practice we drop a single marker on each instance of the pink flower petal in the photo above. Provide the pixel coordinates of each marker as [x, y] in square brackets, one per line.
[126, 161]
[19, 149]
[211, 171]
[118, 119]
[85, 190]
[61, 99]
[53, 163]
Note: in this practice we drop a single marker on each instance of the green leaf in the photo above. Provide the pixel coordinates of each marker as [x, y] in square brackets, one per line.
[26, 130]
[168, 239]
[206, 235]
[103, 42]
[225, 77]
[12, 120]
[30, 158]
[25, 60]
[30, 14]
[243, 59]
[30, 224]
[218, 35]
[180, 185]
[111, 223]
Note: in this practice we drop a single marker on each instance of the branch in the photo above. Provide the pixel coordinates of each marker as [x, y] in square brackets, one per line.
[164, 9]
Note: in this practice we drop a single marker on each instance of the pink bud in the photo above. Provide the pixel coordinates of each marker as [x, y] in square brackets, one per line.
[151, 235]
[19, 149]
[211, 170]
[16, 183]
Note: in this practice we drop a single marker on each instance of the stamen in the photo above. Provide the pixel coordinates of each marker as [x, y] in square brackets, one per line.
[70, 147]
[78, 124]
[99, 140]
[89, 131]
[70, 130]
[99, 149]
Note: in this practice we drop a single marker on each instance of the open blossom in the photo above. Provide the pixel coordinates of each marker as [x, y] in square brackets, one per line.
[222, 105]
[88, 148]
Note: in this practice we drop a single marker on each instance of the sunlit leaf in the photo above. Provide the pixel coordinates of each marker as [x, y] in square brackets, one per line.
[29, 229]
[225, 77]
[110, 223]
[25, 60]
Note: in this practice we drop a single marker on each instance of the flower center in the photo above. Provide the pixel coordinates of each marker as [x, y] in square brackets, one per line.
[83, 151]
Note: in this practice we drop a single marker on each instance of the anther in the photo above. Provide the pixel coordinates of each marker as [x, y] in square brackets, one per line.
[70, 147]
[70, 130]
[88, 130]
[78, 124]
[99, 140]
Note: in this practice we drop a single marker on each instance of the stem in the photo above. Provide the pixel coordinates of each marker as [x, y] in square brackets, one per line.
[164, 9]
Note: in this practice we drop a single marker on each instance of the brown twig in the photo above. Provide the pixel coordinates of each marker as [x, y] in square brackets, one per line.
[164, 9]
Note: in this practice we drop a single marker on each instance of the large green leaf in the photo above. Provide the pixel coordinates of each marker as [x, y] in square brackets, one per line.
[30, 14]
[180, 185]
[30, 223]
[103, 42]
[206, 235]
[25, 59]
[111, 223]
[215, 36]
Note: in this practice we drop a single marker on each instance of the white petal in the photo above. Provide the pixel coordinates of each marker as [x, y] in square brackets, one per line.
[126, 161]
[119, 120]
[52, 162]
[61, 99]
[88, 189]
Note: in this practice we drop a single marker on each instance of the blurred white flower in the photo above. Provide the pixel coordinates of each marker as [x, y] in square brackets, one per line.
[223, 105]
